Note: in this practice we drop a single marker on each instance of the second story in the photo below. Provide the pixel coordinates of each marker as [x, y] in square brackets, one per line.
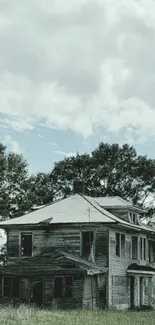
[81, 226]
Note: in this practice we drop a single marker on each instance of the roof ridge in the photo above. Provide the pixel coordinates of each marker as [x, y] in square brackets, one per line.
[98, 208]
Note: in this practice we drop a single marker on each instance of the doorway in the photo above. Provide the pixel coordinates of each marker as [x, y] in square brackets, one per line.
[37, 292]
[132, 287]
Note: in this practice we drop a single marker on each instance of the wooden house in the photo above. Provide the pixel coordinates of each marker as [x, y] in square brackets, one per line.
[80, 252]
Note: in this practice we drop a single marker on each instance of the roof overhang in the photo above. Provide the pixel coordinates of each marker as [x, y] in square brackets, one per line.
[136, 269]
[138, 272]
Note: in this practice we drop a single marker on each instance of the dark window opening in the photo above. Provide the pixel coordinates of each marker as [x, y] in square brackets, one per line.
[134, 218]
[11, 287]
[118, 244]
[63, 287]
[122, 245]
[152, 251]
[26, 244]
[134, 247]
[58, 287]
[87, 242]
[142, 248]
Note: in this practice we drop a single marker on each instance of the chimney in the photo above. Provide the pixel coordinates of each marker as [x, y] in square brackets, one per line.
[79, 187]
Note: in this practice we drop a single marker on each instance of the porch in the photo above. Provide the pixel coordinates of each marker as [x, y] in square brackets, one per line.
[141, 286]
[54, 280]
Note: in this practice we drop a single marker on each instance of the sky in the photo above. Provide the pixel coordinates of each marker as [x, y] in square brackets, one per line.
[74, 74]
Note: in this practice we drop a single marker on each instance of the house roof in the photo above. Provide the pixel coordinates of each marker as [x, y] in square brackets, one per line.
[73, 209]
[117, 202]
[54, 261]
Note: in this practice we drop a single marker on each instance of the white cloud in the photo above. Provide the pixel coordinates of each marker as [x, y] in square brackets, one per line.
[66, 154]
[12, 144]
[78, 65]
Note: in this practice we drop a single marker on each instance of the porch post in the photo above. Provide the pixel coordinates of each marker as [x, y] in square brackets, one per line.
[136, 292]
[141, 291]
[150, 290]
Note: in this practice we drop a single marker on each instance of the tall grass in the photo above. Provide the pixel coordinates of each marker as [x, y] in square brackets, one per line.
[31, 316]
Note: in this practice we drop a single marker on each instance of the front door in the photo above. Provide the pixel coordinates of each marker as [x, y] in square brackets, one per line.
[37, 292]
[132, 287]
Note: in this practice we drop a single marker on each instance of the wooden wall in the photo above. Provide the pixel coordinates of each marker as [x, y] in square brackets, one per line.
[67, 239]
[118, 280]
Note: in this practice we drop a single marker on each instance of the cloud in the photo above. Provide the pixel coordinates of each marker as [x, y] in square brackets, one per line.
[79, 65]
[12, 144]
[65, 154]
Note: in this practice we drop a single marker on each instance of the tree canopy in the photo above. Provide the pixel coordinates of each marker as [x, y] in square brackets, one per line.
[110, 169]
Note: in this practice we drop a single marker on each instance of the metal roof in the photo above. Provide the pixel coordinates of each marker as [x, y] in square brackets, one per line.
[116, 202]
[73, 209]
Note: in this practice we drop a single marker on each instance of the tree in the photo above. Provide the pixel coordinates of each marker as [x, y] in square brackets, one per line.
[14, 198]
[109, 170]
[41, 189]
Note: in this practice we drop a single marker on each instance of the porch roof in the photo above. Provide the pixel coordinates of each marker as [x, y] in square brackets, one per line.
[140, 269]
[50, 263]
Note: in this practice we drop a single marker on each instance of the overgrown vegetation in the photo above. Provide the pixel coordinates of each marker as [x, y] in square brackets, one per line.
[31, 316]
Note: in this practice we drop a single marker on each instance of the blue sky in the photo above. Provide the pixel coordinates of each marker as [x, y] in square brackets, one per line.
[73, 74]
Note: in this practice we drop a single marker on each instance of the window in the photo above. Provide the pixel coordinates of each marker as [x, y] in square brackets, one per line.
[11, 287]
[87, 242]
[134, 247]
[63, 286]
[151, 251]
[120, 245]
[133, 217]
[142, 248]
[26, 244]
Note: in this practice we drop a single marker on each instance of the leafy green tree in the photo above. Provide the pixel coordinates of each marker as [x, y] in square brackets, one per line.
[14, 199]
[109, 170]
[41, 189]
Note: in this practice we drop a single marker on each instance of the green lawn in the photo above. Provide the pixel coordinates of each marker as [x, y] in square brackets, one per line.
[27, 316]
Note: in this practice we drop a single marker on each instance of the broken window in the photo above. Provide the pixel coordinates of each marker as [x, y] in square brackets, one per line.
[87, 242]
[63, 286]
[26, 244]
[11, 287]
[134, 247]
[120, 245]
[143, 248]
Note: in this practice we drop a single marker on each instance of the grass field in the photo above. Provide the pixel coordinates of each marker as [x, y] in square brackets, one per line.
[31, 316]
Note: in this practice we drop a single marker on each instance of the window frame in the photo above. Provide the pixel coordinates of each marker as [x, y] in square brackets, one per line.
[133, 215]
[20, 242]
[120, 244]
[11, 290]
[93, 243]
[151, 249]
[137, 248]
[63, 291]
[142, 251]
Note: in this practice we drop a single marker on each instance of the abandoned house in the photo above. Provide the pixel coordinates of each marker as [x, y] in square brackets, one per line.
[80, 252]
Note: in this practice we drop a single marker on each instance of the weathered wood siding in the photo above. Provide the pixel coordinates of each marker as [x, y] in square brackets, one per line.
[67, 239]
[25, 289]
[90, 292]
[13, 243]
[101, 246]
[118, 279]
[119, 290]
[74, 302]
